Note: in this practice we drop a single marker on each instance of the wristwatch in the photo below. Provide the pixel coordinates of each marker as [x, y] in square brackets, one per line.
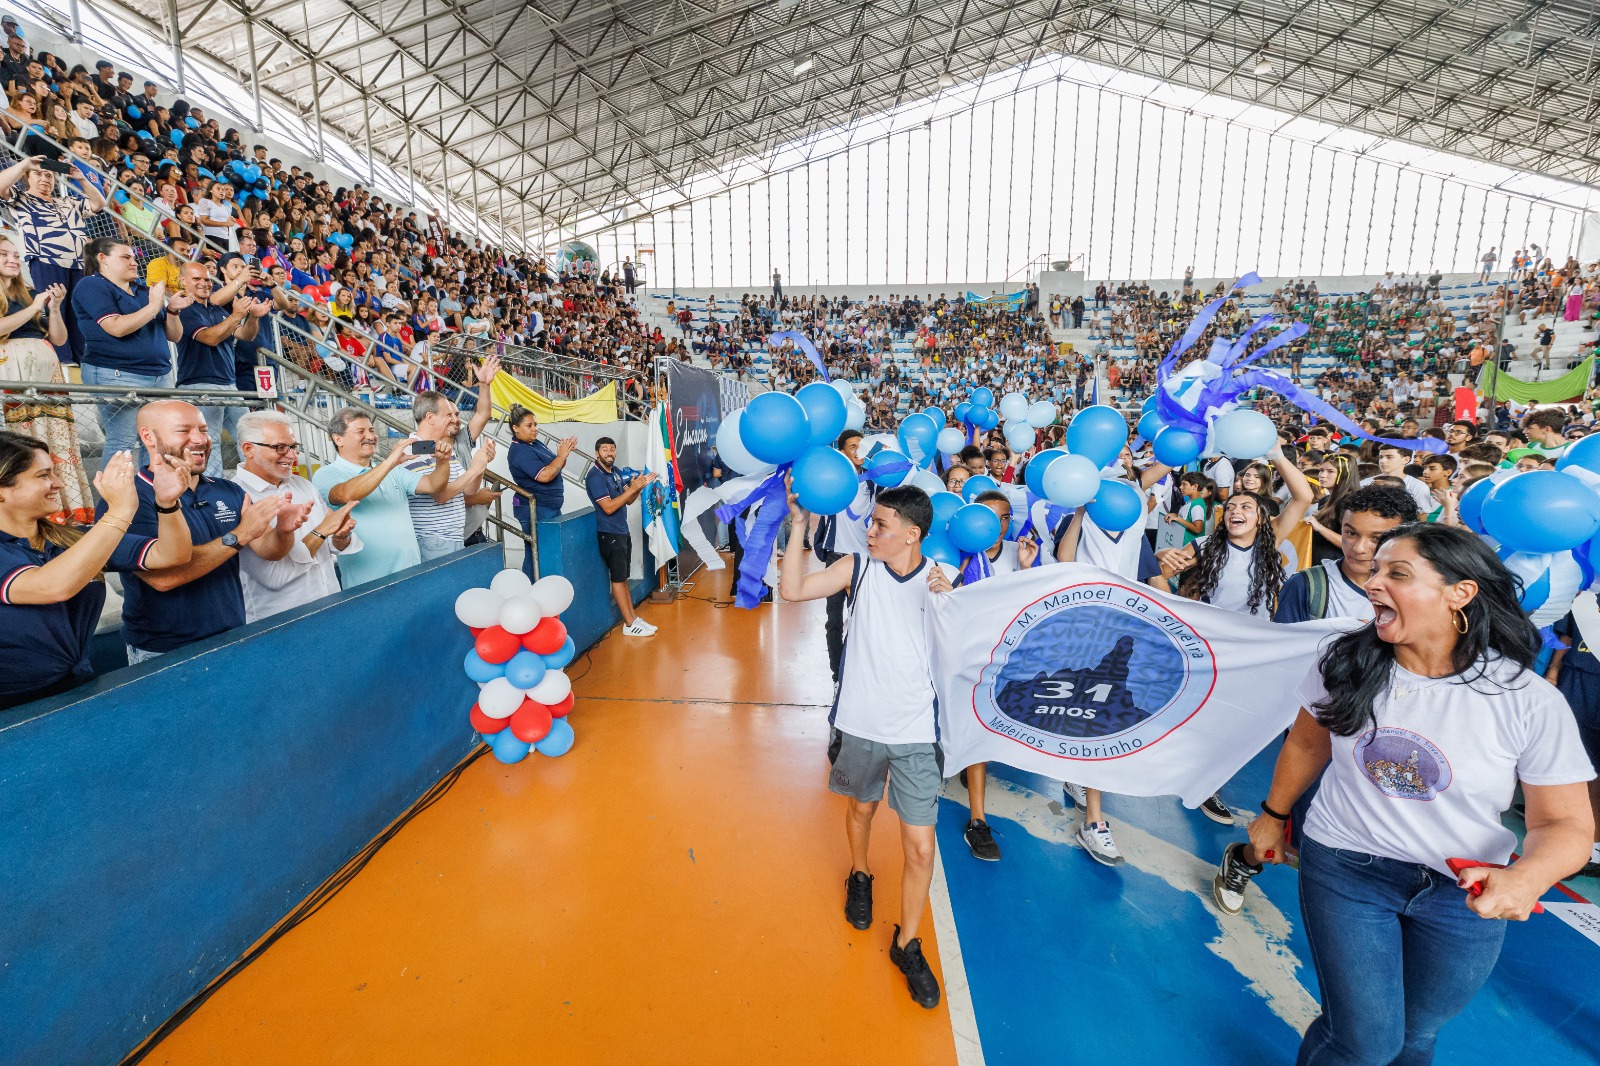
[230, 541]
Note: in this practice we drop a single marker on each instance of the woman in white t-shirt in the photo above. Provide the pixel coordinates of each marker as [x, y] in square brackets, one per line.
[1426, 720]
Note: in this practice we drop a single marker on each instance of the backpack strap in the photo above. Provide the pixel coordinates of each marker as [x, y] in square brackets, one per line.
[1317, 591]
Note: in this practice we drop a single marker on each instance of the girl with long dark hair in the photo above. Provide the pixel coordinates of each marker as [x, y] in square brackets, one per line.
[1239, 566]
[1338, 477]
[1426, 719]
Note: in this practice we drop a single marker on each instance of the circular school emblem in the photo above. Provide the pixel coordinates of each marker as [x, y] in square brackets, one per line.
[1402, 764]
[1094, 671]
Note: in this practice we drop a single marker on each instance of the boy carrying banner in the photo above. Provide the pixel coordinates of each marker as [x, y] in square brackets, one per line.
[884, 723]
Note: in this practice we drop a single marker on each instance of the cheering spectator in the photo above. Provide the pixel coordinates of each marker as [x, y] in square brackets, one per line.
[206, 350]
[440, 516]
[50, 588]
[537, 471]
[126, 327]
[380, 492]
[612, 494]
[168, 608]
[30, 331]
[269, 451]
[53, 233]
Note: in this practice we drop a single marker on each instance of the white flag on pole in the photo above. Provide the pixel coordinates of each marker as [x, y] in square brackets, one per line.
[1074, 673]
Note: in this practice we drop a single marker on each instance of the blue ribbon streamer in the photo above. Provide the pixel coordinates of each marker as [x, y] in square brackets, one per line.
[802, 342]
[1231, 358]
[759, 535]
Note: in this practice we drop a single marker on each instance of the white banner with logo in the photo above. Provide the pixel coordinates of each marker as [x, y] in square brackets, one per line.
[1074, 673]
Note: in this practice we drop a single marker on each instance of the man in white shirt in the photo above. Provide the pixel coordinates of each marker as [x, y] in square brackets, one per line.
[1392, 462]
[269, 452]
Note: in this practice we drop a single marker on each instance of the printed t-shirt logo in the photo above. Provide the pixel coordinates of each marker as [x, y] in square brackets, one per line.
[1402, 764]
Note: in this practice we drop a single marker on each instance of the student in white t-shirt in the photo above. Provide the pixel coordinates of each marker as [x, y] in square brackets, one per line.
[1239, 567]
[884, 727]
[1422, 725]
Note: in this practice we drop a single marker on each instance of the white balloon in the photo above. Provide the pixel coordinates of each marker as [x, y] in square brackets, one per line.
[926, 480]
[479, 608]
[1014, 405]
[732, 450]
[510, 582]
[499, 698]
[855, 415]
[1042, 413]
[554, 594]
[846, 388]
[951, 440]
[552, 690]
[521, 613]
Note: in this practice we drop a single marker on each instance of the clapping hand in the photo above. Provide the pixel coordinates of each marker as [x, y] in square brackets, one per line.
[116, 486]
[293, 516]
[485, 454]
[487, 369]
[338, 525]
[257, 517]
[564, 448]
[259, 308]
[179, 301]
[158, 293]
[169, 478]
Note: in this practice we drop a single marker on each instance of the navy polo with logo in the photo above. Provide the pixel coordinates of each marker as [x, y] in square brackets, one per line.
[166, 621]
[45, 646]
[602, 483]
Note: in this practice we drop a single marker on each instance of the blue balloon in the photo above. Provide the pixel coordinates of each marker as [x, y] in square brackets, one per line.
[939, 420]
[1117, 506]
[987, 418]
[1071, 481]
[824, 480]
[973, 529]
[945, 504]
[525, 669]
[774, 428]
[826, 412]
[1244, 434]
[977, 483]
[1175, 447]
[962, 413]
[558, 741]
[982, 396]
[192, 122]
[507, 748]
[1151, 425]
[177, 138]
[919, 436]
[252, 173]
[1097, 433]
[888, 479]
[1583, 452]
[1471, 506]
[1541, 511]
[1033, 473]
[480, 671]
[937, 547]
[1148, 405]
[237, 166]
[562, 656]
[134, 112]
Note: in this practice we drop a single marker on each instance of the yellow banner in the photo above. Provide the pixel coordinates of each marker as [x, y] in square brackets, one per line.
[597, 407]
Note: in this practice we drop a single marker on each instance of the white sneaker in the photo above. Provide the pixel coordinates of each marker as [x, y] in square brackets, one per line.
[637, 629]
[1095, 838]
[648, 628]
[1075, 794]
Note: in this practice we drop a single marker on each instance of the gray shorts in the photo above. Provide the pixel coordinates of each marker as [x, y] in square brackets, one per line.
[915, 773]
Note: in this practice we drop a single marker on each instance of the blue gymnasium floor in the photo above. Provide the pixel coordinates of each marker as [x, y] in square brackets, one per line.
[1072, 962]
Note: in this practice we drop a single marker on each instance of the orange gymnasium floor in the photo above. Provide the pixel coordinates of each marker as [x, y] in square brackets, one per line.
[671, 891]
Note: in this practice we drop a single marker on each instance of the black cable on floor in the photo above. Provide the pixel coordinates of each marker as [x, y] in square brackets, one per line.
[311, 905]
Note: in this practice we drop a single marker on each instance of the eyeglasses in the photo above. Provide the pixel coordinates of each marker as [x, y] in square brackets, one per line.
[281, 449]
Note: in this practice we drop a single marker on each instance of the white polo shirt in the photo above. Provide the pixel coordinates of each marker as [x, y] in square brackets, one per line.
[275, 585]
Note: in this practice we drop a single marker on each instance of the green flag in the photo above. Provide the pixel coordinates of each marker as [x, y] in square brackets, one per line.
[1568, 386]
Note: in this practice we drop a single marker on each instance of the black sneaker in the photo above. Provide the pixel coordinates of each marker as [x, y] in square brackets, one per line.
[980, 841]
[1232, 878]
[919, 978]
[858, 900]
[1216, 810]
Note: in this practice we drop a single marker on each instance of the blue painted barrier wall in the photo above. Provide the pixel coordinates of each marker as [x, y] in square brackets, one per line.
[158, 821]
[569, 546]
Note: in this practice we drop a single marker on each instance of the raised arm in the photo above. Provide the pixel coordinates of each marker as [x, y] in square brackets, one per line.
[366, 483]
[486, 372]
[794, 583]
[1067, 548]
[1301, 494]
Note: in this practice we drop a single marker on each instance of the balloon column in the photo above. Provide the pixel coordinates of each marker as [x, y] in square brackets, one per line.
[520, 649]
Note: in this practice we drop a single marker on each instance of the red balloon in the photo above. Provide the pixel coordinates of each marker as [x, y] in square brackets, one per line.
[475, 631]
[546, 638]
[497, 646]
[484, 724]
[531, 722]
[559, 710]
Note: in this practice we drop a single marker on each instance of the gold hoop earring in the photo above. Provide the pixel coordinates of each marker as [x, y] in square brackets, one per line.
[1461, 621]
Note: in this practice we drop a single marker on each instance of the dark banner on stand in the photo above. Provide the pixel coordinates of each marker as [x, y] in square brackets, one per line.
[694, 411]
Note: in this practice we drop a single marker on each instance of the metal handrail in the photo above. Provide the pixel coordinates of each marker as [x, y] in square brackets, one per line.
[198, 397]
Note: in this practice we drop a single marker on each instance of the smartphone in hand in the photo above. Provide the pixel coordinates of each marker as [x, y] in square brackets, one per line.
[424, 447]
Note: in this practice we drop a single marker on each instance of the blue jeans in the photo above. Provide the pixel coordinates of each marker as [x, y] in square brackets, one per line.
[139, 655]
[433, 548]
[118, 419]
[218, 418]
[1397, 953]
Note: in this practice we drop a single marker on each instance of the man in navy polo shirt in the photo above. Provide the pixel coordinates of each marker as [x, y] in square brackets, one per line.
[164, 610]
[611, 496]
[243, 278]
[206, 352]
